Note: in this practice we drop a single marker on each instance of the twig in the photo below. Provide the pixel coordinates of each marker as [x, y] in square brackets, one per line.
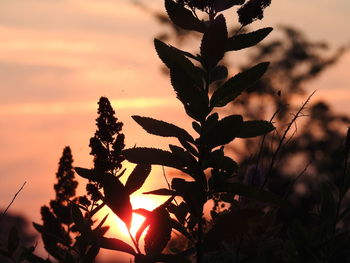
[283, 138]
[262, 145]
[13, 199]
[292, 183]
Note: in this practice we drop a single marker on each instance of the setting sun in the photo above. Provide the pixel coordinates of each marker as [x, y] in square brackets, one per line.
[118, 228]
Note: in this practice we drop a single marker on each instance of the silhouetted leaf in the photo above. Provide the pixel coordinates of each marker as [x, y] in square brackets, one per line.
[192, 96]
[85, 173]
[159, 232]
[13, 240]
[115, 244]
[218, 160]
[222, 5]
[251, 192]
[102, 222]
[162, 191]
[162, 128]
[189, 147]
[142, 229]
[192, 193]
[242, 41]
[180, 211]
[218, 73]
[173, 59]
[154, 156]
[78, 219]
[223, 131]
[180, 228]
[237, 84]
[254, 128]
[117, 198]
[214, 43]
[137, 177]
[183, 17]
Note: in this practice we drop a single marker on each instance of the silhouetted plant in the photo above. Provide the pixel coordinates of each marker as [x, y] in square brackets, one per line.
[260, 226]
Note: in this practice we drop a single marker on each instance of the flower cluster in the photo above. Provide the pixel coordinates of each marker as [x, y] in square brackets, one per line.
[108, 141]
[252, 10]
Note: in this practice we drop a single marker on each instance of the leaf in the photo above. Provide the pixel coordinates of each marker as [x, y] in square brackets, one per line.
[180, 228]
[186, 80]
[223, 131]
[232, 88]
[162, 191]
[180, 211]
[137, 177]
[172, 58]
[218, 73]
[162, 128]
[117, 198]
[13, 240]
[192, 193]
[153, 156]
[78, 219]
[115, 244]
[85, 173]
[254, 128]
[192, 96]
[214, 43]
[242, 41]
[142, 229]
[159, 232]
[183, 17]
[251, 192]
[222, 5]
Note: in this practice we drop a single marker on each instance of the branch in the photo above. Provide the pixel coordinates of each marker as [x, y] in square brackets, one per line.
[297, 115]
[13, 199]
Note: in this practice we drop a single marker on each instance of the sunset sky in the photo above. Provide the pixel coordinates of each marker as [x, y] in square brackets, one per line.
[57, 57]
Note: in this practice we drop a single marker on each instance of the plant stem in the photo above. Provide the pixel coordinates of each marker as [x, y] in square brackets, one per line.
[134, 241]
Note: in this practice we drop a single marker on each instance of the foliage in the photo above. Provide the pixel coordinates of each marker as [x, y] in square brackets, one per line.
[260, 225]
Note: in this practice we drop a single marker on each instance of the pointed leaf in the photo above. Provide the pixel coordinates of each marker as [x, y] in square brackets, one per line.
[192, 96]
[237, 84]
[142, 229]
[247, 40]
[162, 128]
[183, 17]
[172, 58]
[180, 228]
[137, 178]
[162, 191]
[78, 218]
[153, 156]
[117, 198]
[85, 173]
[254, 128]
[223, 131]
[214, 43]
[159, 232]
[115, 244]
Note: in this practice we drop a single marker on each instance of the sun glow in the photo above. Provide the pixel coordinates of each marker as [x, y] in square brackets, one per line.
[118, 228]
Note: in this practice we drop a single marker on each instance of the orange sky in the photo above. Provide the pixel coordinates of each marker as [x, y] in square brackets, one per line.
[57, 57]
